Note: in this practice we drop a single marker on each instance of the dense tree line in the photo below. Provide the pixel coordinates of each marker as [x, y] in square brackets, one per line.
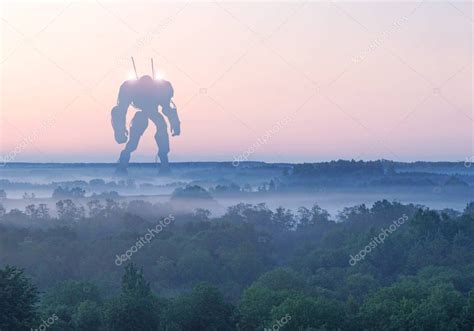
[250, 269]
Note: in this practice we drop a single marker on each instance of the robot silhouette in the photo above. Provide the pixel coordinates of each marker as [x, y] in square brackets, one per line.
[145, 94]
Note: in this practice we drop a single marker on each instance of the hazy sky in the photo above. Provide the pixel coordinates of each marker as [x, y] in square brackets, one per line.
[273, 81]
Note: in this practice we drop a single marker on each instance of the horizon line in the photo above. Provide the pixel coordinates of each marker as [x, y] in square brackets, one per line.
[229, 162]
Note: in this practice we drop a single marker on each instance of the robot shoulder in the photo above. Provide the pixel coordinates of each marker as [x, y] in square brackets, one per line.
[127, 90]
[165, 89]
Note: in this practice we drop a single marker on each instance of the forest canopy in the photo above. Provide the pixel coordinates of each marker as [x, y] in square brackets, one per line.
[251, 269]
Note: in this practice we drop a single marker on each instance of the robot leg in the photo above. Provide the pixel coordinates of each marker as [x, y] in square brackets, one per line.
[138, 127]
[162, 141]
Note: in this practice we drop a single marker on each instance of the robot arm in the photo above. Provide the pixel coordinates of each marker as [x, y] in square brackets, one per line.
[119, 113]
[170, 111]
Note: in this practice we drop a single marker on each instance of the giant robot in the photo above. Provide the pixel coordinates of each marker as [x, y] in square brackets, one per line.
[148, 96]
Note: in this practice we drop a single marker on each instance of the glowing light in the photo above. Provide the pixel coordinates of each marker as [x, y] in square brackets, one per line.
[131, 75]
[159, 76]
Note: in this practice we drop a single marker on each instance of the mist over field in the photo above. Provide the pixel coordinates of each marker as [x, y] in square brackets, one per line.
[435, 185]
[248, 246]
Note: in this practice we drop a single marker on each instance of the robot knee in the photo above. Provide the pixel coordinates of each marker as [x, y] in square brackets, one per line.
[132, 144]
[163, 143]
[139, 122]
[161, 137]
[131, 148]
[163, 150]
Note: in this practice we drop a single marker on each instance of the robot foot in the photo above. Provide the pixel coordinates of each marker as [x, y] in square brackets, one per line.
[164, 170]
[121, 171]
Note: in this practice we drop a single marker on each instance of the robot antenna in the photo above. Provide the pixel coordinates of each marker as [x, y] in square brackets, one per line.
[134, 68]
[152, 69]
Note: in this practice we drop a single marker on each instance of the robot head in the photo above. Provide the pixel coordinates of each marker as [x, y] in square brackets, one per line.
[159, 87]
[149, 92]
[145, 82]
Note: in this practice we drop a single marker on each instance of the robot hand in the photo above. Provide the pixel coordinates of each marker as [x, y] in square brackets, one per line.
[118, 124]
[172, 114]
[121, 136]
[176, 129]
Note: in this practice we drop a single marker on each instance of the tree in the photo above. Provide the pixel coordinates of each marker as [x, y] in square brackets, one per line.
[468, 311]
[97, 182]
[87, 316]
[203, 309]
[256, 305]
[3, 194]
[271, 186]
[40, 212]
[166, 272]
[305, 313]
[112, 208]
[72, 193]
[29, 196]
[311, 217]
[96, 209]
[358, 213]
[202, 214]
[71, 301]
[69, 211]
[191, 192]
[469, 210]
[244, 262]
[410, 304]
[359, 285]
[136, 308]
[18, 298]
[319, 214]
[282, 279]
[283, 218]
[258, 214]
[30, 210]
[304, 216]
[197, 265]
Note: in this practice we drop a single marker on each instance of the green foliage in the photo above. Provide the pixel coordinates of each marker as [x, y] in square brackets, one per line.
[136, 308]
[18, 298]
[414, 304]
[70, 301]
[88, 316]
[260, 267]
[308, 312]
[203, 309]
[256, 305]
[282, 279]
[191, 192]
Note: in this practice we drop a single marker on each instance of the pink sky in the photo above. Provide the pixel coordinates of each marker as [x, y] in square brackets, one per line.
[357, 80]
